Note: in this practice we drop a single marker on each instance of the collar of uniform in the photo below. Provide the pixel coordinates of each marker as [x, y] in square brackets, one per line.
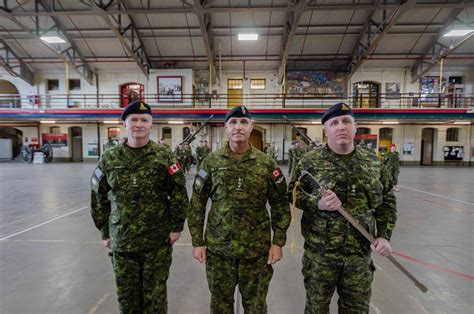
[250, 154]
[149, 147]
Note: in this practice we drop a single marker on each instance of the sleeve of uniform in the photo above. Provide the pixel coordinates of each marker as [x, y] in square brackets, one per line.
[280, 209]
[303, 201]
[386, 212]
[197, 208]
[177, 194]
[100, 205]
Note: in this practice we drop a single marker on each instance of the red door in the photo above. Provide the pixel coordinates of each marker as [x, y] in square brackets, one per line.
[130, 92]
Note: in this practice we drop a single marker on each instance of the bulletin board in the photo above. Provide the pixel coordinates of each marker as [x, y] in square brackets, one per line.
[455, 153]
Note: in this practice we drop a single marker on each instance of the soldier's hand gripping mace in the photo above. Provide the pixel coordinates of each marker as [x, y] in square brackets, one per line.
[321, 190]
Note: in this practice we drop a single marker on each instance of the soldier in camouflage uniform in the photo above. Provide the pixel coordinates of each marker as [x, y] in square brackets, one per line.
[336, 255]
[237, 246]
[181, 156]
[391, 163]
[297, 152]
[202, 151]
[188, 158]
[139, 204]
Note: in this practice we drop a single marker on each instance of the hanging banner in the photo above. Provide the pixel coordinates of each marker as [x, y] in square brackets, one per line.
[55, 139]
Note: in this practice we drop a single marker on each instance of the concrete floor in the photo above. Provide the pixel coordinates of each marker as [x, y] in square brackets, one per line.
[52, 259]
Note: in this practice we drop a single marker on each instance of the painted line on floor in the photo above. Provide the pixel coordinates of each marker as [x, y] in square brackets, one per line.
[42, 224]
[448, 198]
[434, 266]
[376, 309]
[96, 306]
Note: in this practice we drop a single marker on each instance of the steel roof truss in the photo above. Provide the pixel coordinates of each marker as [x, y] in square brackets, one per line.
[123, 26]
[13, 64]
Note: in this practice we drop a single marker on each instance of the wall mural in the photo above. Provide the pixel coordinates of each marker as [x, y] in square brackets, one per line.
[316, 83]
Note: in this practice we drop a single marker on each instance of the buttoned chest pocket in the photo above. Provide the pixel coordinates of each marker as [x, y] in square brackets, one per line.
[118, 176]
[222, 182]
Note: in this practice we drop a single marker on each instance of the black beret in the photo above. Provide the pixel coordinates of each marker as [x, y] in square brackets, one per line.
[238, 112]
[339, 109]
[136, 106]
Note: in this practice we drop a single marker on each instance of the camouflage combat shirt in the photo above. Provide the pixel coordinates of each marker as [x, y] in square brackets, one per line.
[238, 223]
[137, 201]
[360, 185]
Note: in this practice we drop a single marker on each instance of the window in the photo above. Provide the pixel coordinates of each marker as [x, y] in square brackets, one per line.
[55, 130]
[53, 85]
[186, 132]
[113, 132]
[386, 134]
[257, 84]
[452, 135]
[234, 84]
[74, 84]
[363, 131]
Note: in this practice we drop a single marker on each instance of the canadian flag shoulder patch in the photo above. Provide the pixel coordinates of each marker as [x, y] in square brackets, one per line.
[174, 168]
[276, 173]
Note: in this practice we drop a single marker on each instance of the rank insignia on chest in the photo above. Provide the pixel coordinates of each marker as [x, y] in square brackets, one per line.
[353, 188]
[174, 168]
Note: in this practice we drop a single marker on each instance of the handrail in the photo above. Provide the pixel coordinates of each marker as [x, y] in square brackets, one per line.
[222, 101]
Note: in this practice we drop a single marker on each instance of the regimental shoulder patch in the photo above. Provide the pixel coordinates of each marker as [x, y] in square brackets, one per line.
[203, 174]
[174, 168]
[98, 173]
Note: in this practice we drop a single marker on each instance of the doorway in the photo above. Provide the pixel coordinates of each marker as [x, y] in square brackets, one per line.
[385, 137]
[9, 95]
[366, 94]
[76, 143]
[234, 92]
[130, 92]
[427, 143]
[256, 139]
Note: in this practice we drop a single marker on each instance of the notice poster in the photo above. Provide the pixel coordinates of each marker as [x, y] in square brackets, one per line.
[92, 148]
[409, 149]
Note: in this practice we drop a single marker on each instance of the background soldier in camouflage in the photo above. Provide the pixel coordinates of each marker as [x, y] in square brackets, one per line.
[297, 152]
[336, 255]
[138, 203]
[202, 151]
[391, 163]
[238, 248]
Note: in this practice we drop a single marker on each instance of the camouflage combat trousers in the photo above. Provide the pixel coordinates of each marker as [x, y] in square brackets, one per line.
[252, 275]
[351, 275]
[141, 278]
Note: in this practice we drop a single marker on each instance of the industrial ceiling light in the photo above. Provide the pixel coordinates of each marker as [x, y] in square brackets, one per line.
[462, 122]
[315, 122]
[48, 121]
[175, 122]
[110, 122]
[248, 36]
[458, 32]
[390, 122]
[53, 39]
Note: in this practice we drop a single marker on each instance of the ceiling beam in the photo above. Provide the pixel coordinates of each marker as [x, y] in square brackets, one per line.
[13, 64]
[123, 26]
[249, 9]
[68, 52]
[436, 50]
[205, 24]
[289, 31]
[373, 33]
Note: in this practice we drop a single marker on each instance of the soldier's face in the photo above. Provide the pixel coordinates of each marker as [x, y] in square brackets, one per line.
[138, 126]
[340, 130]
[238, 129]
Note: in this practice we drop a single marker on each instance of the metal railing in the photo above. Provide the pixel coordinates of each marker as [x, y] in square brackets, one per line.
[223, 101]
